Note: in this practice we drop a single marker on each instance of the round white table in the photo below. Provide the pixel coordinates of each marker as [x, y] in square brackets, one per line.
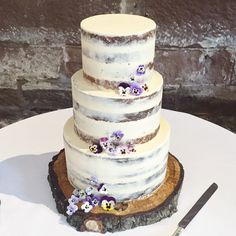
[207, 152]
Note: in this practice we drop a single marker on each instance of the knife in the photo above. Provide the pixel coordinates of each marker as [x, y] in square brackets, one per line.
[195, 209]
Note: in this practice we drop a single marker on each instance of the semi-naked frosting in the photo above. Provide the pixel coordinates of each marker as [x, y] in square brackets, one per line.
[99, 112]
[114, 47]
[127, 177]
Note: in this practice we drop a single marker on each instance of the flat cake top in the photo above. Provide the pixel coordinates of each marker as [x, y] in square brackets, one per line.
[117, 24]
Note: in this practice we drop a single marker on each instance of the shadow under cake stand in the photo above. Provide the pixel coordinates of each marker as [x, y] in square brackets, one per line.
[161, 203]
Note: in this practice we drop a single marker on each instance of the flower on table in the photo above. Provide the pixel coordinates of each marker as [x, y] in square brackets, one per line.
[71, 209]
[107, 203]
[87, 206]
[73, 199]
[80, 193]
[95, 200]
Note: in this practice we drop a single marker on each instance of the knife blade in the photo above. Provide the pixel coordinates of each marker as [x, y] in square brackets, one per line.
[195, 209]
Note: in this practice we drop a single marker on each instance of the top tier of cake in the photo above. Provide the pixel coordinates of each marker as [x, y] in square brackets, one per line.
[117, 48]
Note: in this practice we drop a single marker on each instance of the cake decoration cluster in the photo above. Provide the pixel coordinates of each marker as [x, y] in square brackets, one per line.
[95, 195]
[112, 145]
[134, 88]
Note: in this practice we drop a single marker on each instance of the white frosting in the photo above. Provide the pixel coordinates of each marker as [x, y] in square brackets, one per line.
[127, 176]
[117, 72]
[117, 24]
[104, 100]
[131, 129]
[99, 101]
[117, 61]
[113, 47]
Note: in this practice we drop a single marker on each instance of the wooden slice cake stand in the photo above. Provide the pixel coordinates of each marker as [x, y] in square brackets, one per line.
[160, 204]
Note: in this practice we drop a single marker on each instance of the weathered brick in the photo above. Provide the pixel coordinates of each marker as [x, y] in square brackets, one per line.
[48, 22]
[204, 72]
[15, 104]
[38, 65]
[52, 14]
[206, 23]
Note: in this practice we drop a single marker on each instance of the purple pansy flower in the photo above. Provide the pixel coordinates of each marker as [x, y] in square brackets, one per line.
[95, 148]
[135, 89]
[140, 70]
[124, 88]
[73, 200]
[117, 135]
[89, 198]
[112, 149]
[123, 149]
[95, 200]
[107, 203]
[81, 194]
[104, 142]
[102, 189]
[71, 209]
[130, 147]
[87, 206]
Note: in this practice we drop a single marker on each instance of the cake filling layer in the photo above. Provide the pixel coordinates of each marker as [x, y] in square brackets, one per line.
[116, 118]
[92, 139]
[119, 40]
[113, 84]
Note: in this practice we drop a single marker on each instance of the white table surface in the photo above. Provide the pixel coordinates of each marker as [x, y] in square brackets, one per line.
[207, 152]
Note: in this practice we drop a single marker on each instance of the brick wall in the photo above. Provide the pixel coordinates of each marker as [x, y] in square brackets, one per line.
[195, 52]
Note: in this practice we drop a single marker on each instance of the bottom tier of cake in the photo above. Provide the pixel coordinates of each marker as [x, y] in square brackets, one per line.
[159, 204]
[127, 176]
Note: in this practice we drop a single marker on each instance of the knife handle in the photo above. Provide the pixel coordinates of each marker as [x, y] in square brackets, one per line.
[198, 205]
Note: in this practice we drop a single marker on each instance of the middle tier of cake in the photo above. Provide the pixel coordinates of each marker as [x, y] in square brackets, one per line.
[127, 176]
[98, 112]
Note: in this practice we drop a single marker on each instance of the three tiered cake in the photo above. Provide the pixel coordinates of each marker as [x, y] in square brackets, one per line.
[115, 163]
